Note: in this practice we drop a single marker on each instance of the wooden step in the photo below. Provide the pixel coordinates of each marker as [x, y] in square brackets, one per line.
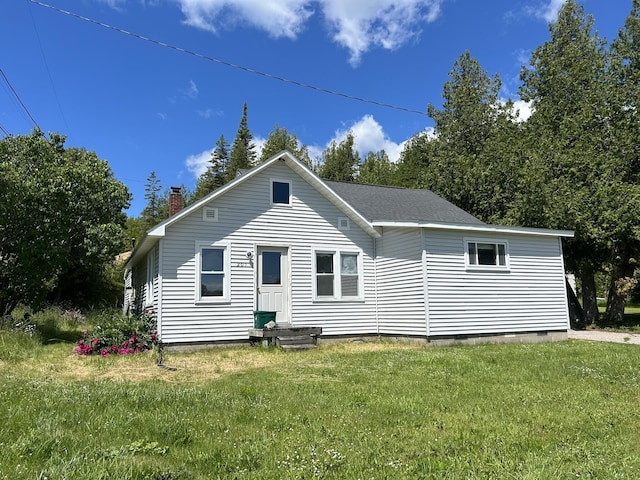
[295, 340]
[296, 343]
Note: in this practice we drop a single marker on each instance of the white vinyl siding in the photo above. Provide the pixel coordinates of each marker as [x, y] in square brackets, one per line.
[247, 219]
[530, 296]
[399, 270]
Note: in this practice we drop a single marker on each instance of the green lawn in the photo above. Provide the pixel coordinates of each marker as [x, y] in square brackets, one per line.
[349, 411]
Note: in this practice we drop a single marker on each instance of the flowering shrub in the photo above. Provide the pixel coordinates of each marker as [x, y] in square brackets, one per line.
[120, 335]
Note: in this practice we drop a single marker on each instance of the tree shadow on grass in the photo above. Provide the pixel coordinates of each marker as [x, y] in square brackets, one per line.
[631, 322]
[52, 332]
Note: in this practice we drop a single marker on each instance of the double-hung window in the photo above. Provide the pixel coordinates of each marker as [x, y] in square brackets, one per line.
[213, 273]
[487, 254]
[337, 275]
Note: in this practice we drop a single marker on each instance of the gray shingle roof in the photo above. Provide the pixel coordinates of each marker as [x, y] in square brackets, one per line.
[378, 203]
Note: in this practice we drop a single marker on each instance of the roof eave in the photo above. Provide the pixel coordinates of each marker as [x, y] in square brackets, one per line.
[480, 228]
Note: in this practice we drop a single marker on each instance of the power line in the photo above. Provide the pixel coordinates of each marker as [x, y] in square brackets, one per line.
[4, 131]
[229, 64]
[46, 64]
[13, 90]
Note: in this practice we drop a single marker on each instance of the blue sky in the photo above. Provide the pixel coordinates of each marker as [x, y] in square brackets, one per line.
[144, 107]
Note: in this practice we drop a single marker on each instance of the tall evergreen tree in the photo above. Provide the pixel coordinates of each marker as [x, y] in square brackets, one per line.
[280, 139]
[623, 217]
[376, 169]
[569, 140]
[465, 160]
[151, 212]
[340, 160]
[214, 176]
[243, 150]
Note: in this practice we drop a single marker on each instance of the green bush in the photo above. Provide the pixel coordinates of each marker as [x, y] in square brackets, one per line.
[116, 334]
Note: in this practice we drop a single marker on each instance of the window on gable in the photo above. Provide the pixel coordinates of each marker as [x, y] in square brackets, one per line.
[337, 275]
[280, 192]
[487, 254]
[213, 273]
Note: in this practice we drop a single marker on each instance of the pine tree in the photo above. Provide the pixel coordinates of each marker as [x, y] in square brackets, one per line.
[214, 176]
[151, 212]
[242, 152]
[376, 169]
[340, 160]
[280, 139]
[569, 143]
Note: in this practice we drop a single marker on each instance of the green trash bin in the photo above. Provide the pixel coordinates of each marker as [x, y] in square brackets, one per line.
[261, 318]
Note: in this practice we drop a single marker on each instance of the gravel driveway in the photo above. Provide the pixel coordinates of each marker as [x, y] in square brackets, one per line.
[604, 336]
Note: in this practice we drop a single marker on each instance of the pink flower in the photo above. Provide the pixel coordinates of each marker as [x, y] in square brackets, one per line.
[153, 337]
[95, 341]
[85, 332]
[114, 348]
[104, 352]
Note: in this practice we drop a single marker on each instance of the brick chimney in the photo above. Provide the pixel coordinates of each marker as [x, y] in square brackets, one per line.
[175, 200]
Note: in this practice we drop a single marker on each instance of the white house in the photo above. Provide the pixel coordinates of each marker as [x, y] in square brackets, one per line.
[356, 260]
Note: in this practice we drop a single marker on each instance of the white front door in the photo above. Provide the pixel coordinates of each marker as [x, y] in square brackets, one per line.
[273, 281]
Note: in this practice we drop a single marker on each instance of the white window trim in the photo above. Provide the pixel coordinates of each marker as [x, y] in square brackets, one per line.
[148, 294]
[279, 180]
[209, 218]
[347, 223]
[337, 290]
[226, 297]
[491, 268]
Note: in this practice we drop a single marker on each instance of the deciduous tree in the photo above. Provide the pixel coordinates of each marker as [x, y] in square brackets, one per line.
[61, 220]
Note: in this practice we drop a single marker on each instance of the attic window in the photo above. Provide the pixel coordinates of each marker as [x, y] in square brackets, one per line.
[280, 192]
[343, 223]
[210, 214]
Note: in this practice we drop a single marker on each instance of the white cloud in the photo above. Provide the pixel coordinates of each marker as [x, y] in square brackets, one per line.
[279, 18]
[208, 113]
[523, 109]
[163, 116]
[368, 137]
[191, 91]
[547, 11]
[197, 164]
[115, 4]
[357, 25]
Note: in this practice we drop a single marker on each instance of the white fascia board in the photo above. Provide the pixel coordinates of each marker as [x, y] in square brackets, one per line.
[146, 244]
[543, 232]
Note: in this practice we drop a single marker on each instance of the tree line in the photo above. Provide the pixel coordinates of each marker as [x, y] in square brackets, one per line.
[573, 164]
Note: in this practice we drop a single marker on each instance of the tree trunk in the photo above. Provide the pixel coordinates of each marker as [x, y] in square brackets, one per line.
[621, 284]
[589, 300]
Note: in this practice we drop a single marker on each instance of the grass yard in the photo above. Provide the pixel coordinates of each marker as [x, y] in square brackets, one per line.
[349, 411]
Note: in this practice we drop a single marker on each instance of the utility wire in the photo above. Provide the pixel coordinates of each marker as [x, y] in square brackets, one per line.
[4, 131]
[229, 64]
[46, 64]
[13, 90]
